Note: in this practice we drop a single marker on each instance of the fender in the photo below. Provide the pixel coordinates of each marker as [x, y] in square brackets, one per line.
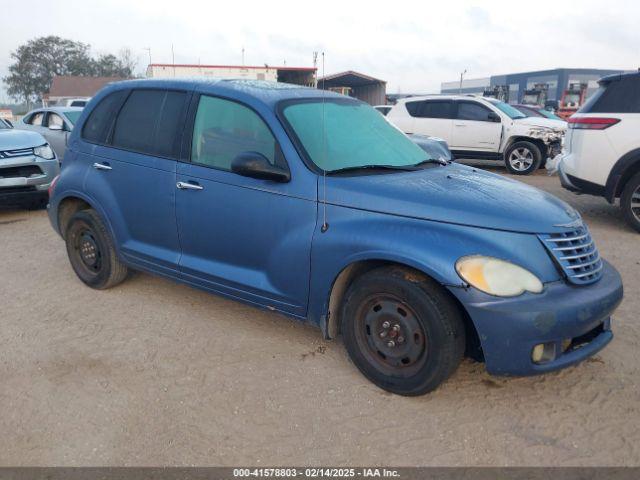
[622, 170]
[357, 236]
[72, 193]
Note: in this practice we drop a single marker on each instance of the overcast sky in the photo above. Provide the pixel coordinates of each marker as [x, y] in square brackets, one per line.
[413, 45]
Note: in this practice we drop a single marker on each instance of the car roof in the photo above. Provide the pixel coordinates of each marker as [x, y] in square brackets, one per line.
[56, 110]
[269, 93]
[617, 76]
[436, 96]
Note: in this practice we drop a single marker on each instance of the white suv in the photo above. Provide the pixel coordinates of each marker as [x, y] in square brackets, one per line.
[482, 128]
[603, 145]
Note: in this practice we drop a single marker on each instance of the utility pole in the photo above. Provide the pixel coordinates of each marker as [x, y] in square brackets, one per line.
[461, 77]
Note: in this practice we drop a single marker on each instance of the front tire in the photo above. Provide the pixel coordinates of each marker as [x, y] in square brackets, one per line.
[630, 202]
[91, 251]
[402, 330]
[523, 158]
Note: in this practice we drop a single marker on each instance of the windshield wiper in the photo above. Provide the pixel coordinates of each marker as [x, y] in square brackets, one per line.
[404, 168]
[440, 161]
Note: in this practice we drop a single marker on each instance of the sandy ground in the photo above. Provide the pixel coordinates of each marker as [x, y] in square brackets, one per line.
[155, 373]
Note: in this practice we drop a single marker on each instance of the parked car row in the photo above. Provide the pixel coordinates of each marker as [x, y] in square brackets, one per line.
[311, 204]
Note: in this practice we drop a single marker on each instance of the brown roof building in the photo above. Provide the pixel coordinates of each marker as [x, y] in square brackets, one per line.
[65, 87]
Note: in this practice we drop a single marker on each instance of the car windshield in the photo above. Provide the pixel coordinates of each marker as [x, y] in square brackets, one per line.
[508, 110]
[549, 114]
[73, 116]
[355, 135]
[3, 125]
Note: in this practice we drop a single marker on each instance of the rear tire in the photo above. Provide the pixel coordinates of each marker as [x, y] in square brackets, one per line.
[523, 158]
[630, 202]
[91, 251]
[402, 330]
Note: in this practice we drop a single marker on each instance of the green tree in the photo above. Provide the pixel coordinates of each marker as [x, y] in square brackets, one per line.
[40, 59]
[37, 61]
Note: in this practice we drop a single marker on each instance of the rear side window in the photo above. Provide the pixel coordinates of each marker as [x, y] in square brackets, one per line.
[430, 109]
[150, 122]
[223, 129]
[621, 96]
[97, 127]
[472, 111]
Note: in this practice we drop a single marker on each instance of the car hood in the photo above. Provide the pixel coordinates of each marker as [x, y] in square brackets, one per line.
[12, 139]
[455, 194]
[542, 122]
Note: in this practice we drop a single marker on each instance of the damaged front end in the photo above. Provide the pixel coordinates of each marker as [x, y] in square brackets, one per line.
[553, 138]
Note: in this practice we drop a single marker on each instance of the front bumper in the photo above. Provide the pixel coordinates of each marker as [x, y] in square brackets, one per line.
[17, 187]
[509, 328]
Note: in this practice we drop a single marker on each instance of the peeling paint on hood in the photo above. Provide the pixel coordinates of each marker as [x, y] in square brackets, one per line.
[455, 194]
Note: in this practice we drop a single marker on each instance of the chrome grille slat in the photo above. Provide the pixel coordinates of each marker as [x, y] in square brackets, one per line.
[584, 265]
[573, 247]
[589, 273]
[567, 239]
[21, 152]
[576, 255]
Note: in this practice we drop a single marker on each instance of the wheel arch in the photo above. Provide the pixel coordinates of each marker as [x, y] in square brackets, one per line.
[349, 273]
[625, 168]
[72, 202]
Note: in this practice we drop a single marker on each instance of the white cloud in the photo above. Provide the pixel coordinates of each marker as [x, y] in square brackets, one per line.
[414, 45]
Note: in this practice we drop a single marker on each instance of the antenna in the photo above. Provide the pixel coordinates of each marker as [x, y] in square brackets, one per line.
[325, 225]
[173, 60]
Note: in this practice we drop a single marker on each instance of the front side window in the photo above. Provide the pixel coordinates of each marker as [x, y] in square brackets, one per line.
[149, 123]
[55, 119]
[355, 135]
[430, 108]
[223, 129]
[472, 111]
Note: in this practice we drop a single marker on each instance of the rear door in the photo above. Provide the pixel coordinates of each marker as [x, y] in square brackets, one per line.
[244, 237]
[133, 176]
[474, 129]
[432, 117]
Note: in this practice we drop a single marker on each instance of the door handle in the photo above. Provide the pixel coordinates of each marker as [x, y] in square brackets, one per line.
[101, 166]
[460, 124]
[189, 186]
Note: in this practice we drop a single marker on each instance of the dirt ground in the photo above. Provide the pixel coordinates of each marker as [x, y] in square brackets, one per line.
[156, 373]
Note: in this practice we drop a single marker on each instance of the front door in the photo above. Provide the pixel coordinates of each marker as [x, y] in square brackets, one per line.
[243, 237]
[474, 128]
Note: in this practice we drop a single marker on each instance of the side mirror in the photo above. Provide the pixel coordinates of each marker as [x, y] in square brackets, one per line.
[55, 127]
[256, 165]
[493, 117]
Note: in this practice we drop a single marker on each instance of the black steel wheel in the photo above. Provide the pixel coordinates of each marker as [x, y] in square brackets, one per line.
[402, 330]
[91, 251]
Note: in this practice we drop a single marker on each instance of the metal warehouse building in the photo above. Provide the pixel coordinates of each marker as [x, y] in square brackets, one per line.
[556, 81]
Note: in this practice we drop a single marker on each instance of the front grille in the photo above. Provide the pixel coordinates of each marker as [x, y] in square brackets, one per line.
[576, 254]
[21, 171]
[22, 152]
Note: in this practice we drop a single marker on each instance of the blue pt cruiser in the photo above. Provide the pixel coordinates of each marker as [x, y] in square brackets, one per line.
[310, 204]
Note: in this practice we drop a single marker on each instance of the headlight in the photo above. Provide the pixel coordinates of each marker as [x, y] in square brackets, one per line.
[497, 277]
[44, 151]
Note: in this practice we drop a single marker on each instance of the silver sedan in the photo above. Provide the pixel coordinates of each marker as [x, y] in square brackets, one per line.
[53, 123]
